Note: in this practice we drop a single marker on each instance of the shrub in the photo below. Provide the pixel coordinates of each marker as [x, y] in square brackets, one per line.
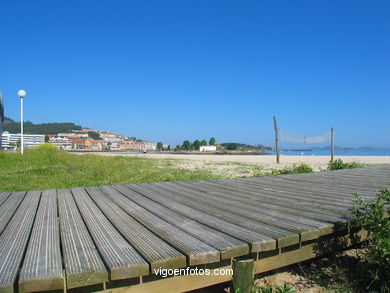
[302, 168]
[339, 164]
[296, 169]
[374, 217]
[285, 289]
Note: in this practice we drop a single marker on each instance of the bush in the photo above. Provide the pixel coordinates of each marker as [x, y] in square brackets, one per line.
[374, 217]
[339, 164]
[302, 168]
[296, 169]
[285, 289]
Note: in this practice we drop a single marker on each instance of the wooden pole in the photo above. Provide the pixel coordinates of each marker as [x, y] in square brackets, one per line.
[331, 144]
[277, 140]
[243, 275]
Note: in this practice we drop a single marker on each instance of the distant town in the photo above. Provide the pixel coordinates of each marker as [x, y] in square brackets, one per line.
[87, 139]
[81, 140]
[71, 137]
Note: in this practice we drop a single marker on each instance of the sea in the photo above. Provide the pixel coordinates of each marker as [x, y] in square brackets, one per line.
[338, 152]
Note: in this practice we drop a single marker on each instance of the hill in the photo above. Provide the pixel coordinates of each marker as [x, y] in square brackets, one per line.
[44, 128]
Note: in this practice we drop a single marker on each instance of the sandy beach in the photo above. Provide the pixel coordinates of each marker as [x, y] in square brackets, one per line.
[266, 162]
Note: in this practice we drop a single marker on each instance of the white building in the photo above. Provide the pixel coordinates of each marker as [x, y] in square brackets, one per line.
[11, 140]
[73, 134]
[150, 146]
[208, 148]
[62, 142]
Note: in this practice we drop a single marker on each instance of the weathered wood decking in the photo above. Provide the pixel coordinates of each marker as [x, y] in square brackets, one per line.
[73, 238]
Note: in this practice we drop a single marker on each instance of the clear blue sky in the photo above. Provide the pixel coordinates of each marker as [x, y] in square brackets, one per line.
[173, 70]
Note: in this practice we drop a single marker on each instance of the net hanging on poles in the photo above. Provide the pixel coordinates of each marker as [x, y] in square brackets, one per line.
[286, 136]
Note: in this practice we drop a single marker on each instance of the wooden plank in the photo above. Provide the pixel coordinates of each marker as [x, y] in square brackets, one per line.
[308, 229]
[368, 175]
[157, 252]
[331, 187]
[323, 196]
[289, 191]
[186, 283]
[8, 208]
[292, 200]
[346, 183]
[13, 241]
[277, 196]
[214, 219]
[341, 222]
[83, 264]
[318, 192]
[4, 196]
[122, 260]
[196, 251]
[228, 246]
[42, 265]
[276, 193]
[224, 212]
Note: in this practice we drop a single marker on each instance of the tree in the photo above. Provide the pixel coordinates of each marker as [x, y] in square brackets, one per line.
[212, 141]
[203, 142]
[169, 147]
[159, 145]
[196, 144]
[44, 128]
[178, 148]
[231, 146]
[186, 145]
[94, 135]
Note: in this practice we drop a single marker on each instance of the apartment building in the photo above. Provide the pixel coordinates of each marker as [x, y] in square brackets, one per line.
[11, 140]
[63, 142]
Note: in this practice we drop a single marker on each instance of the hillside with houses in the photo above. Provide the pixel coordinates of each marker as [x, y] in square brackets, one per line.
[70, 137]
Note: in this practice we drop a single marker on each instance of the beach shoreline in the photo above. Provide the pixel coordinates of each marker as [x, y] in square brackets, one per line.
[318, 163]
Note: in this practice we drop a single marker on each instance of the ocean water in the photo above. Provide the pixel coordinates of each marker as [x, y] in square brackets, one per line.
[338, 152]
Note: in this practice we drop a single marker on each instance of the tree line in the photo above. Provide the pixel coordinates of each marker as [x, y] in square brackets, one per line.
[45, 128]
[195, 145]
[188, 146]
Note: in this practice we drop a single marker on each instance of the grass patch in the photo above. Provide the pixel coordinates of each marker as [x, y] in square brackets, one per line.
[296, 169]
[339, 164]
[46, 167]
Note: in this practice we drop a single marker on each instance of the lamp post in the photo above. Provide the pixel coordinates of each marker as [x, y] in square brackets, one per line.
[21, 94]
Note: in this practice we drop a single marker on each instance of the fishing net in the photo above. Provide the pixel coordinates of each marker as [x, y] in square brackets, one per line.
[286, 136]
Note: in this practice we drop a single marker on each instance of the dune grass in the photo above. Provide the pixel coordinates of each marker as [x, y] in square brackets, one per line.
[46, 167]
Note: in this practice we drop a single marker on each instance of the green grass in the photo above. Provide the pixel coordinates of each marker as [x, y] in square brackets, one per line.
[296, 169]
[339, 164]
[46, 167]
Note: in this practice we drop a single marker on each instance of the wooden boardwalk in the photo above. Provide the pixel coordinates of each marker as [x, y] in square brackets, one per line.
[74, 238]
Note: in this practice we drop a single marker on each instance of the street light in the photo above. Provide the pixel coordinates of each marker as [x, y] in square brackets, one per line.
[21, 94]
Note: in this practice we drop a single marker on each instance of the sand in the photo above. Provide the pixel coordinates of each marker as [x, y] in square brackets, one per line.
[266, 161]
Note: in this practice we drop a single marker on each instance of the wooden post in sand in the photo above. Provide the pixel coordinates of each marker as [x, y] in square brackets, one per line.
[243, 275]
[331, 144]
[277, 140]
